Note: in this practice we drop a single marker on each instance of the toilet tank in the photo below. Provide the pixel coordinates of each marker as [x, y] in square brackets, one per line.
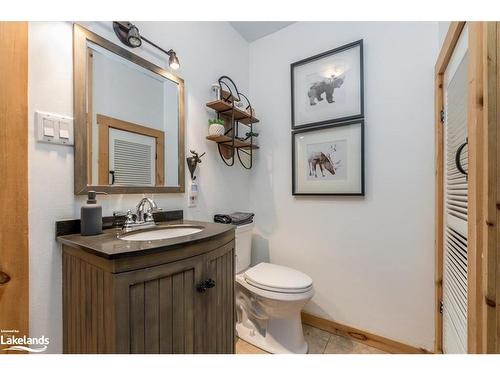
[243, 247]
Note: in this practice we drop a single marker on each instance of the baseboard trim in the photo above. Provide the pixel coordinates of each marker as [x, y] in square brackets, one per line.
[367, 338]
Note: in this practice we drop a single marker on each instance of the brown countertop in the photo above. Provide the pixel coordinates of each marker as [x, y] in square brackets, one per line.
[109, 246]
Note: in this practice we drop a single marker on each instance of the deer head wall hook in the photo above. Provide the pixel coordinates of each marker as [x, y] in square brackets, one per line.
[192, 162]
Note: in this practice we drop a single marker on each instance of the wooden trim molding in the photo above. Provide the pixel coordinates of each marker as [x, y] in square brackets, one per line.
[90, 109]
[379, 342]
[439, 214]
[105, 123]
[14, 254]
[450, 41]
[490, 297]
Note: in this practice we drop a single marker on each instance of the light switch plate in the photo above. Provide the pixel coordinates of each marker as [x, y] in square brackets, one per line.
[51, 128]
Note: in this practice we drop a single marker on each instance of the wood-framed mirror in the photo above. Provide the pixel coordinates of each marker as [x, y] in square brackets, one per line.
[128, 118]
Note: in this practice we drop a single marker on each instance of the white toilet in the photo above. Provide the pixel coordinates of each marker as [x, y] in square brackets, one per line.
[269, 299]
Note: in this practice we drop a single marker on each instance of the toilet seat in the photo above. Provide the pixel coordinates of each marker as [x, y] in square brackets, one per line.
[272, 295]
[277, 279]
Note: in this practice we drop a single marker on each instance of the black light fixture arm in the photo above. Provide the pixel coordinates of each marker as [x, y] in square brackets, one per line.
[129, 35]
[169, 52]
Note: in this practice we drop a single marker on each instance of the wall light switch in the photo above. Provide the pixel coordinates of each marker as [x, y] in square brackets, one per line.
[65, 132]
[48, 129]
[52, 128]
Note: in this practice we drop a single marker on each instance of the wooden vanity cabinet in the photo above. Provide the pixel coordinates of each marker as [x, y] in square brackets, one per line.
[180, 306]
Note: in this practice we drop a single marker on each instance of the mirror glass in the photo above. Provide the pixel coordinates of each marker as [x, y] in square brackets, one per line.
[133, 124]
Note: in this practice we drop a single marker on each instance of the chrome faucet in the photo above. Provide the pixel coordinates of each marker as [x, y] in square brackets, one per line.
[143, 217]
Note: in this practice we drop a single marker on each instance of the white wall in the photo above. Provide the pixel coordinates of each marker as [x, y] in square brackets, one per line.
[202, 49]
[371, 258]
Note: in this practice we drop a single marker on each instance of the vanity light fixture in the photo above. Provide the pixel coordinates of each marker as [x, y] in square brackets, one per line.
[133, 37]
[129, 35]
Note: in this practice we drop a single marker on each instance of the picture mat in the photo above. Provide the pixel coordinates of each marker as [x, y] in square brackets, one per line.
[353, 183]
[347, 98]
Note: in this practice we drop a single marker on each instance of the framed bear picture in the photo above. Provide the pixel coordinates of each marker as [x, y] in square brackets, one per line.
[329, 160]
[328, 87]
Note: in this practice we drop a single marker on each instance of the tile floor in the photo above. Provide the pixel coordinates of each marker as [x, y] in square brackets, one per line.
[320, 342]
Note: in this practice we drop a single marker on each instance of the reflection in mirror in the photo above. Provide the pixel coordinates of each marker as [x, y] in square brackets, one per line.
[133, 133]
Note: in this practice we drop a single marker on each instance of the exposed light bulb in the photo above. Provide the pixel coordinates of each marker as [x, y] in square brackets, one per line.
[173, 61]
[134, 37]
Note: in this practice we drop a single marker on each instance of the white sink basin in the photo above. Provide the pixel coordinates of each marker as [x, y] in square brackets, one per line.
[161, 234]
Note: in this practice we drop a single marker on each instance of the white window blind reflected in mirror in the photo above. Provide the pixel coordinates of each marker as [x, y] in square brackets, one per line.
[132, 159]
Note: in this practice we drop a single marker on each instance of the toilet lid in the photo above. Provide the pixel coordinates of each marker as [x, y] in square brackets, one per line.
[277, 278]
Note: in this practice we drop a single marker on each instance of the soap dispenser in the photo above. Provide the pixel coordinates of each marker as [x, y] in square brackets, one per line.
[91, 216]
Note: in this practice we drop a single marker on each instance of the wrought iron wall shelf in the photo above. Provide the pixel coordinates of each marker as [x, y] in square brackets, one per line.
[231, 143]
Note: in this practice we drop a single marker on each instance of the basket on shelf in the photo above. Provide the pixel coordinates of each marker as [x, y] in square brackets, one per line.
[216, 127]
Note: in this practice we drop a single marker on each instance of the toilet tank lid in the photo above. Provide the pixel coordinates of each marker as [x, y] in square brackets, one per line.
[275, 276]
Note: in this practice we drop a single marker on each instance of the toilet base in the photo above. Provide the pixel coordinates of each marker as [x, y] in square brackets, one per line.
[278, 336]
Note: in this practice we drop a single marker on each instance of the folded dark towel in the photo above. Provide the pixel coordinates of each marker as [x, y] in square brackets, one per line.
[236, 218]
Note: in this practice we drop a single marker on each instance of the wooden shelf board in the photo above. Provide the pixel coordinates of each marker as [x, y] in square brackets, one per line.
[240, 115]
[224, 139]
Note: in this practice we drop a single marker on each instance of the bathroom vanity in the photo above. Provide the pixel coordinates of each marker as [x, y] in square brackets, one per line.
[150, 286]
[171, 295]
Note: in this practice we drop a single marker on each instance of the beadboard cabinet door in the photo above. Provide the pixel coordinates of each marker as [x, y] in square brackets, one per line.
[158, 309]
[219, 301]
[166, 309]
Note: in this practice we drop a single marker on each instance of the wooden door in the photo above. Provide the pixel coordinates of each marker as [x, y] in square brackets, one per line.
[158, 310]
[219, 301]
[13, 175]
[483, 185]
[455, 221]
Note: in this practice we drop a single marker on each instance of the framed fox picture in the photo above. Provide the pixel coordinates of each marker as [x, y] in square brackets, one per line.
[329, 160]
[328, 87]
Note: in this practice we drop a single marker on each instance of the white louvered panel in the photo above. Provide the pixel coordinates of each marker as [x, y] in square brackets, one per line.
[455, 203]
[132, 158]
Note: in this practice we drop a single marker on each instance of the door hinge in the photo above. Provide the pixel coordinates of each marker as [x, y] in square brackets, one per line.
[441, 307]
[441, 116]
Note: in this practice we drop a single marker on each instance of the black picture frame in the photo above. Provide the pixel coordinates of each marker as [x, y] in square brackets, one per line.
[360, 121]
[358, 43]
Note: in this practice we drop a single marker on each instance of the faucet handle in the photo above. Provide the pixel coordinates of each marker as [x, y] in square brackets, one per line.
[130, 218]
[148, 216]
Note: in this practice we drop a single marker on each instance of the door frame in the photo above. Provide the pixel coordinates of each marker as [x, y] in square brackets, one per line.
[482, 265]
[490, 340]
[14, 258]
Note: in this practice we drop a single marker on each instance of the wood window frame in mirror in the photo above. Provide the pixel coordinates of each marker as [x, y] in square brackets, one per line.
[105, 123]
[82, 119]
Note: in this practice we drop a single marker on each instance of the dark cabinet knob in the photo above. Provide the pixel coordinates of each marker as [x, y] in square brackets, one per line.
[204, 285]
[210, 283]
[4, 278]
